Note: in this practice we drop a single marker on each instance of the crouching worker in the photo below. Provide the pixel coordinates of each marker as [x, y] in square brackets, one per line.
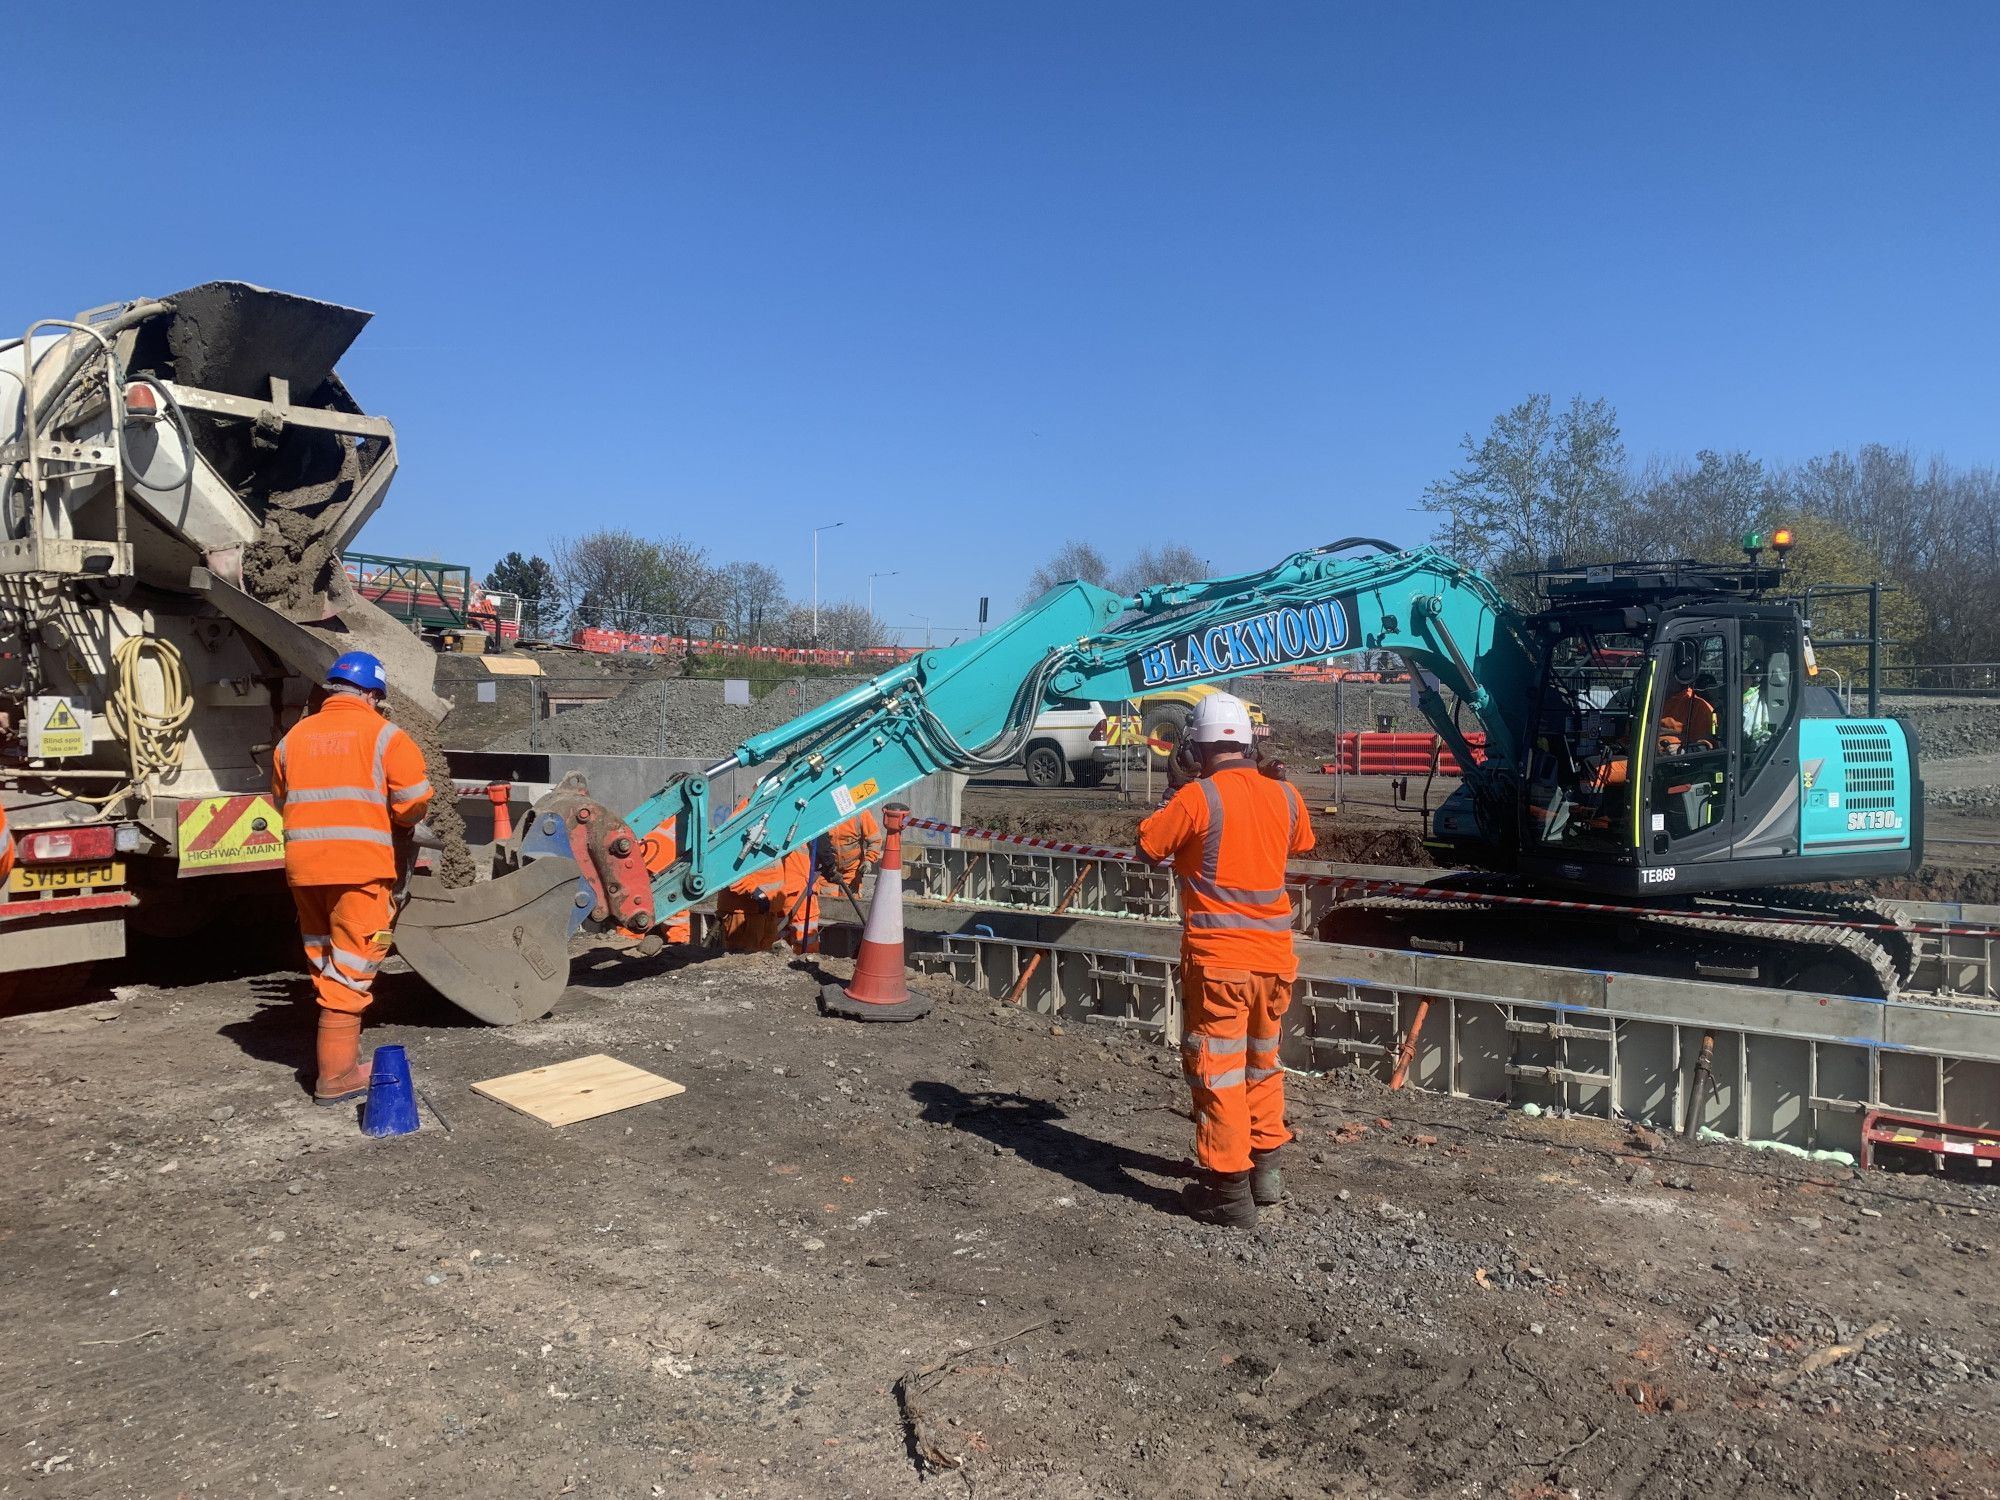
[344, 777]
[1228, 836]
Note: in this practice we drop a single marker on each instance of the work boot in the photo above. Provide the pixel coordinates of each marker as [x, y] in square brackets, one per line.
[343, 1072]
[1267, 1182]
[1220, 1198]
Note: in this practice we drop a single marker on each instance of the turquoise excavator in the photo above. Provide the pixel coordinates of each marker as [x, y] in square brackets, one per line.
[1659, 774]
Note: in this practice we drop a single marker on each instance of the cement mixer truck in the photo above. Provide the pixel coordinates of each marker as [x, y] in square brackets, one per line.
[178, 478]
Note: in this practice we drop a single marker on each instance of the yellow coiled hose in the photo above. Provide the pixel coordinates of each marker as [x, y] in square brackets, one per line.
[154, 741]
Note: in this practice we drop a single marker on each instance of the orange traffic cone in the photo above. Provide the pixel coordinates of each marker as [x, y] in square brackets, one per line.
[878, 991]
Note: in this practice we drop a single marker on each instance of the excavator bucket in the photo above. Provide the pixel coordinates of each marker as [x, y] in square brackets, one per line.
[500, 949]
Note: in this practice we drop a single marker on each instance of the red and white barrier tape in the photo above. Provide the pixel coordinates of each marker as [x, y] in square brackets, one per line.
[1434, 893]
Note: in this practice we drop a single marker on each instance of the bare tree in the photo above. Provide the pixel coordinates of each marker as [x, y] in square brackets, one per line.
[755, 602]
[1074, 560]
[1173, 562]
[614, 577]
[843, 626]
[1541, 485]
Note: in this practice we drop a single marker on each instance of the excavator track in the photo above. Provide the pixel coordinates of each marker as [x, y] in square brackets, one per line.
[1735, 941]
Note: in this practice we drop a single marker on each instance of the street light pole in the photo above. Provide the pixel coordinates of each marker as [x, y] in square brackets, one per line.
[831, 525]
[927, 627]
[871, 589]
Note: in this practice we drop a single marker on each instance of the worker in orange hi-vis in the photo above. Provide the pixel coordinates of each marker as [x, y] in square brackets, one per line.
[657, 850]
[845, 853]
[816, 873]
[752, 911]
[6, 847]
[1228, 835]
[345, 779]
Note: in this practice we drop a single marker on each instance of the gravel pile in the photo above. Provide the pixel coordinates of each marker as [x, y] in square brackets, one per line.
[1964, 796]
[675, 716]
[1946, 727]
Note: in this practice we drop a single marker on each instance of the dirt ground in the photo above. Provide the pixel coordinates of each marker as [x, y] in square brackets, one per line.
[915, 1260]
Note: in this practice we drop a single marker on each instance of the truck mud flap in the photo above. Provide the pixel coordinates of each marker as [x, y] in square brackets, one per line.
[499, 950]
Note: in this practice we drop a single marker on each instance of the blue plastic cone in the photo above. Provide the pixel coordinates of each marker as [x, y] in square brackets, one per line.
[392, 1099]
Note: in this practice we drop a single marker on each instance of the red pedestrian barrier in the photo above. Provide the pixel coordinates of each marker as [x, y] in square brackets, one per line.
[1375, 754]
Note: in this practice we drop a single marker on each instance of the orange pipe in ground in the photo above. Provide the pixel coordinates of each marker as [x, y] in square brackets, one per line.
[1020, 989]
[1406, 1054]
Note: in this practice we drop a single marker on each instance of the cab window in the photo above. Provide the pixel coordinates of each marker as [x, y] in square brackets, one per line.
[1579, 795]
[1690, 780]
[1770, 694]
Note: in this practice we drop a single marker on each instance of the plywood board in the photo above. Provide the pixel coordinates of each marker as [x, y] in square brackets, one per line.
[582, 1089]
[513, 666]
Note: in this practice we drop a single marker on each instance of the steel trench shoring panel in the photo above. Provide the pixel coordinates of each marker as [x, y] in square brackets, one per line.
[1798, 1068]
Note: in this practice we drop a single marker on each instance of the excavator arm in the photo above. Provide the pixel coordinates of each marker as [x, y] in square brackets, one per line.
[969, 708]
[498, 950]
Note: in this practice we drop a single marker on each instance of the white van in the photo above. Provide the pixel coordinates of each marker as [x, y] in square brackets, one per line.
[1060, 746]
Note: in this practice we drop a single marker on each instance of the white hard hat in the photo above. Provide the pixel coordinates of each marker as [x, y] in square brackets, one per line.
[1220, 717]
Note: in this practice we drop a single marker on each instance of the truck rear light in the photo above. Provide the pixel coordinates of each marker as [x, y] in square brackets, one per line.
[68, 845]
[1101, 733]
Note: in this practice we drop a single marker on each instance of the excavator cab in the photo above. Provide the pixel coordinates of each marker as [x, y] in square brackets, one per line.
[1678, 743]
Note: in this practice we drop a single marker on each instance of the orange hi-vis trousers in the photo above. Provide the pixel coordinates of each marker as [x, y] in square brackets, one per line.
[1229, 1052]
[345, 929]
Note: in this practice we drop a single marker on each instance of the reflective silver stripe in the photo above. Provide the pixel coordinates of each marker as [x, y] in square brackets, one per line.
[355, 961]
[310, 938]
[1233, 893]
[411, 793]
[1292, 797]
[1263, 1044]
[1257, 1075]
[332, 794]
[381, 749]
[1211, 849]
[359, 986]
[1233, 919]
[1233, 1079]
[281, 755]
[1220, 1045]
[329, 835]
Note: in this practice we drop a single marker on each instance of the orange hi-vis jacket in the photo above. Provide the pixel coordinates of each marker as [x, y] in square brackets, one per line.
[341, 777]
[6, 847]
[1229, 836]
[855, 845]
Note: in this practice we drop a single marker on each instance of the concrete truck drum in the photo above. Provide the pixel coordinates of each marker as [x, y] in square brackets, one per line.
[1228, 835]
[178, 479]
[1587, 799]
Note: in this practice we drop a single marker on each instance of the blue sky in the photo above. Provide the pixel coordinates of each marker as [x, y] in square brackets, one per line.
[976, 279]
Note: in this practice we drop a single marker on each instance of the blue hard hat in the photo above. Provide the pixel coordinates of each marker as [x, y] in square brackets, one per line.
[361, 669]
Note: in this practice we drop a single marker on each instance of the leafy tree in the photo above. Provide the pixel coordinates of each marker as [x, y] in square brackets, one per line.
[1541, 485]
[532, 579]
